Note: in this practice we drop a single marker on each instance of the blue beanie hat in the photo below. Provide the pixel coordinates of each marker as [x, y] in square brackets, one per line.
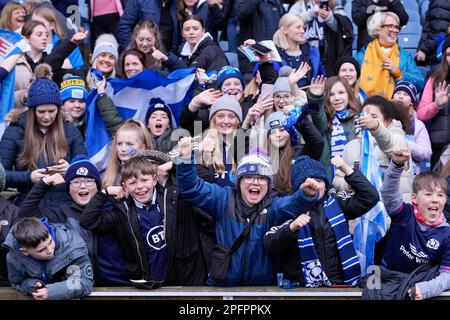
[82, 167]
[227, 72]
[73, 87]
[303, 168]
[407, 87]
[157, 104]
[43, 90]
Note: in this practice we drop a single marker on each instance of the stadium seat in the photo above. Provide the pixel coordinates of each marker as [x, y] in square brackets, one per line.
[412, 28]
[423, 9]
[410, 5]
[414, 16]
[410, 42]
[348, 9]
[223, 45]
[232, 58]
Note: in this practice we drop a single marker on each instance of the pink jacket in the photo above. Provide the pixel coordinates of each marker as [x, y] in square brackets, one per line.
[427, 109]
[101, 7]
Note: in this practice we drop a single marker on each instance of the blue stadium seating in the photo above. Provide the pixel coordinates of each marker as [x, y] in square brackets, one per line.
[232, 58]
[412, 28]
[410, 42]
[414, 16]
[410, 5]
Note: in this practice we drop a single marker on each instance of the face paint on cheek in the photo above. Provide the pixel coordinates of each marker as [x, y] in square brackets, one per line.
[132, 151]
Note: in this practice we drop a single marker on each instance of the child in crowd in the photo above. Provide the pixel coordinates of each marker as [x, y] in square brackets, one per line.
[252, 202]
[336, 120]
[73, 97]
[314, 248]
[131, 137]
[48, 261]
[142, 220]
[82, 182]
[39, 143]
[405, 100]
[284, 147]
[419, 233]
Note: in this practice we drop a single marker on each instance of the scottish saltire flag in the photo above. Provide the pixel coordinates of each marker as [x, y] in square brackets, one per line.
[131, 97]
[8, 41]
[372, 226]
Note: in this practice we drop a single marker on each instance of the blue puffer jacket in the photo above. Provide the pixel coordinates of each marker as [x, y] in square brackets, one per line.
[137, 10]
[407, 66]
[11, 146]
[251, 264]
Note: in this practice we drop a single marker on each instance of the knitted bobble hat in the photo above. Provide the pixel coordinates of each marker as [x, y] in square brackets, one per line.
[43, 90]
[282, 83]
[303, 168]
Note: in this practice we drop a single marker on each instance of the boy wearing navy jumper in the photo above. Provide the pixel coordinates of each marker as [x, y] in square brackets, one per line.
[419, 233]
[233, 208]
[136, 220]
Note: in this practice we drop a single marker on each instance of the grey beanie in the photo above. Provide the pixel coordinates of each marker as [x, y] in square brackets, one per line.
[282, 83]
[274, 120]
[106, 43]
[226, 102]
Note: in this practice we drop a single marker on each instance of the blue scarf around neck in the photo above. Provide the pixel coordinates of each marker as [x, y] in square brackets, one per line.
[313, 273]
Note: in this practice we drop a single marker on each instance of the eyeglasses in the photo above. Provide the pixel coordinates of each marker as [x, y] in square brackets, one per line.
[391, 27]
[251, 178]
[87, 182]
[279, 98]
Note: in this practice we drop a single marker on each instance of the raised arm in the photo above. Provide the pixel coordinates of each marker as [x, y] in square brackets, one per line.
[390, 189]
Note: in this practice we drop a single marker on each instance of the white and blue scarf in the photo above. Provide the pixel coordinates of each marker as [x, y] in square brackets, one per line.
[313, 273]
[338, 138]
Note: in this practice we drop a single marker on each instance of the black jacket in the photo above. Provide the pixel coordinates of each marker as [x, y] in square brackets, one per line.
[208, 56]
[363, 9]
[437, 20]
[282, 242]
[185, 263]
[67, 213]
[11, 146]
[394, 285]
[258, 20]
[9, 215]
[337, 44]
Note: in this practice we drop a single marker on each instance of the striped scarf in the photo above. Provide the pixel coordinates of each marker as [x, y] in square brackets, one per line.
[313, 272]
[338, 138]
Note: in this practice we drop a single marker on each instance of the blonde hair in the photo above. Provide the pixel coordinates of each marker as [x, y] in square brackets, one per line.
[50, 16]
[376, 21]
[216, 158]
[90, 80]
[112, 171]
[5, 17]
[287, 20]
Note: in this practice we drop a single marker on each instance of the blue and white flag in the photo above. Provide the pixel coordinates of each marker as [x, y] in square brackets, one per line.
[372, 226]
[131, 97]
[9, 45]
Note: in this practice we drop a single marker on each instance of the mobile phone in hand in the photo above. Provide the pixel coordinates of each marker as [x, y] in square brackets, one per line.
[260, 48]
[323, 5]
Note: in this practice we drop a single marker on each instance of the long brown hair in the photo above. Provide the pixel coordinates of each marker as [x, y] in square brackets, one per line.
[143, 134]
[5, 17]
[286, 154]
[153, 29]
[441, 72]
[353, 103]
[181, 10]
[51, 144]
